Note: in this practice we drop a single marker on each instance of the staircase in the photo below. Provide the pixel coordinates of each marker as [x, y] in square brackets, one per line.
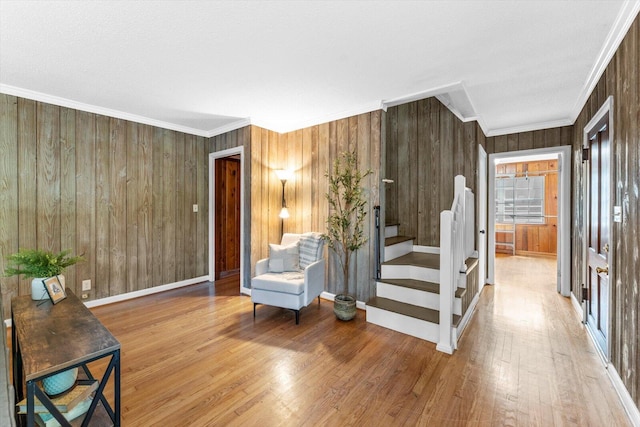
[408, 296]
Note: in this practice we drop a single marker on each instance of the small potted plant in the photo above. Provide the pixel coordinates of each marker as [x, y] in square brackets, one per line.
[345, 223]
[39, 265]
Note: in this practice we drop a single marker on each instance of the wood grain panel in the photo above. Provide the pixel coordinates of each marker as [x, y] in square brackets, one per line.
[132, 184]
[620, 80]
[27, 180]
[427, 146]
[169, 207]
[117, 208]
[144, 189]
[68, 234]
[86, 197]
[48, 177]
[8, 191]
[103, 206]
[555, 137]
[85, 182]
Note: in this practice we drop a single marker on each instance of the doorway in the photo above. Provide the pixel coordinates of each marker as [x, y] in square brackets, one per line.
[227, 217]
[527, 183]
[598, 251]
[226, 203]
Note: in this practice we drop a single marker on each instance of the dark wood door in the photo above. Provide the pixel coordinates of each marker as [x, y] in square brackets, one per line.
[227, 217]
[598, 233]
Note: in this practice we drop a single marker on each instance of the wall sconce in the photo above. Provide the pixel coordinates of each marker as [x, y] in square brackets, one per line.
[283, 176]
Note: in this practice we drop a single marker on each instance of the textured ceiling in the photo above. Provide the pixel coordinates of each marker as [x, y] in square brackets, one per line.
[208, 66]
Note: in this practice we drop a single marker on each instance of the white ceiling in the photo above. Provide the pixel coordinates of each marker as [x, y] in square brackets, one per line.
[205, 67]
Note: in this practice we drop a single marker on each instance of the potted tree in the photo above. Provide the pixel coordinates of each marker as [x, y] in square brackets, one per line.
[39, 265]
[345, 234]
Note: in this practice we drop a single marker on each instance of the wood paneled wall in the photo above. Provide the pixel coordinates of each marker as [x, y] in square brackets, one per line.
[620, 80]
[534, 238]
[426, 146]
[554, 137]
[116, 191]
[309, 153]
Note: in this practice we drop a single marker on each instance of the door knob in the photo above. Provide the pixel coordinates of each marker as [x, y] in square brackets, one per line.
[604, 270]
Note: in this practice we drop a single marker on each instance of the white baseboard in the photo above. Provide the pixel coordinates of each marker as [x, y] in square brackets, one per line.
[625, 398]
[627, 402]
[145, 292]
[576, 305]
[137, 294]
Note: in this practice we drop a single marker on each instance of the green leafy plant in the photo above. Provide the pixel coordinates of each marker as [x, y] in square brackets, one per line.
[34, 263]
[347, 204]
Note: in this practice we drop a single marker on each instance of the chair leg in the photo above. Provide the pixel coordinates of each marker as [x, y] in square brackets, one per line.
[297, 316]
[318, 300]
[254, 309]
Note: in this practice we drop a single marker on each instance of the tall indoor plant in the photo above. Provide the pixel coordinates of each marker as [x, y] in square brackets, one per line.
[345, 224]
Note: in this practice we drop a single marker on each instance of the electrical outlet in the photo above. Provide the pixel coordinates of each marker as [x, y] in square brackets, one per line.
[195, 208]
[85, 296]
[86, 285]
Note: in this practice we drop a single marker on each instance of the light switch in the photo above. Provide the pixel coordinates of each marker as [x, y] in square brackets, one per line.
[195, 208]
[617, 214]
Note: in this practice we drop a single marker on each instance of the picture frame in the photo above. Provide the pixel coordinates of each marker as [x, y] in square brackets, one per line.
[54, 289]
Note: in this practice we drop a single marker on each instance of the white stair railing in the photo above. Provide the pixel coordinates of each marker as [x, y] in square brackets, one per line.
[453, 248]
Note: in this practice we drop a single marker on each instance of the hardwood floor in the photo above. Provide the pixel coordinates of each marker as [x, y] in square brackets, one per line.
[197, 357]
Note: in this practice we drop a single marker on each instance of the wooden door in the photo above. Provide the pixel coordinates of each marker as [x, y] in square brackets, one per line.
[227, 217]
[598, 217]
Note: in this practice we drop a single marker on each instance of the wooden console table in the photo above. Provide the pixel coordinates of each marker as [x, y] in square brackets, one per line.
[48, 339]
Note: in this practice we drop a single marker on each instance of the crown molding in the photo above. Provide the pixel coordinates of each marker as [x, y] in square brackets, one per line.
[619, 30]
[439, 90]
[63, 102]
[228, 128]
[529, 127]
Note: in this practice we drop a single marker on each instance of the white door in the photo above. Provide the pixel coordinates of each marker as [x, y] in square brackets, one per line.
[482, 216]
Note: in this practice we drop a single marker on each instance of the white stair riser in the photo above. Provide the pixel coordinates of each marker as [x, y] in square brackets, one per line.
[391, 231]
[408, 295]
[407, 325]
[410, 272]
[397, 250]
[414, 297]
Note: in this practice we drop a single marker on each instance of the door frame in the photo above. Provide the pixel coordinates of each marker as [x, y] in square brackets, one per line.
[212, 211]
[482, 216]
[605, 110]
[564, 212]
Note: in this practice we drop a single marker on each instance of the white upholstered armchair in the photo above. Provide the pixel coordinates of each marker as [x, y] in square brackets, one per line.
[293, 275]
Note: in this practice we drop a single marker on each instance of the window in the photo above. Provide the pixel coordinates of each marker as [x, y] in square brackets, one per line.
[520, 200]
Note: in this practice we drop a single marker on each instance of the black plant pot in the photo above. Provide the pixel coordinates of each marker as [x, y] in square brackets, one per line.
[344, 307]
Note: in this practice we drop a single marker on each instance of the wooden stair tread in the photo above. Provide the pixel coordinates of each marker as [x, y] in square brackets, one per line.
[421, 285]
[418, 259]
[409, 310]
[388, 241]
[421, 313]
